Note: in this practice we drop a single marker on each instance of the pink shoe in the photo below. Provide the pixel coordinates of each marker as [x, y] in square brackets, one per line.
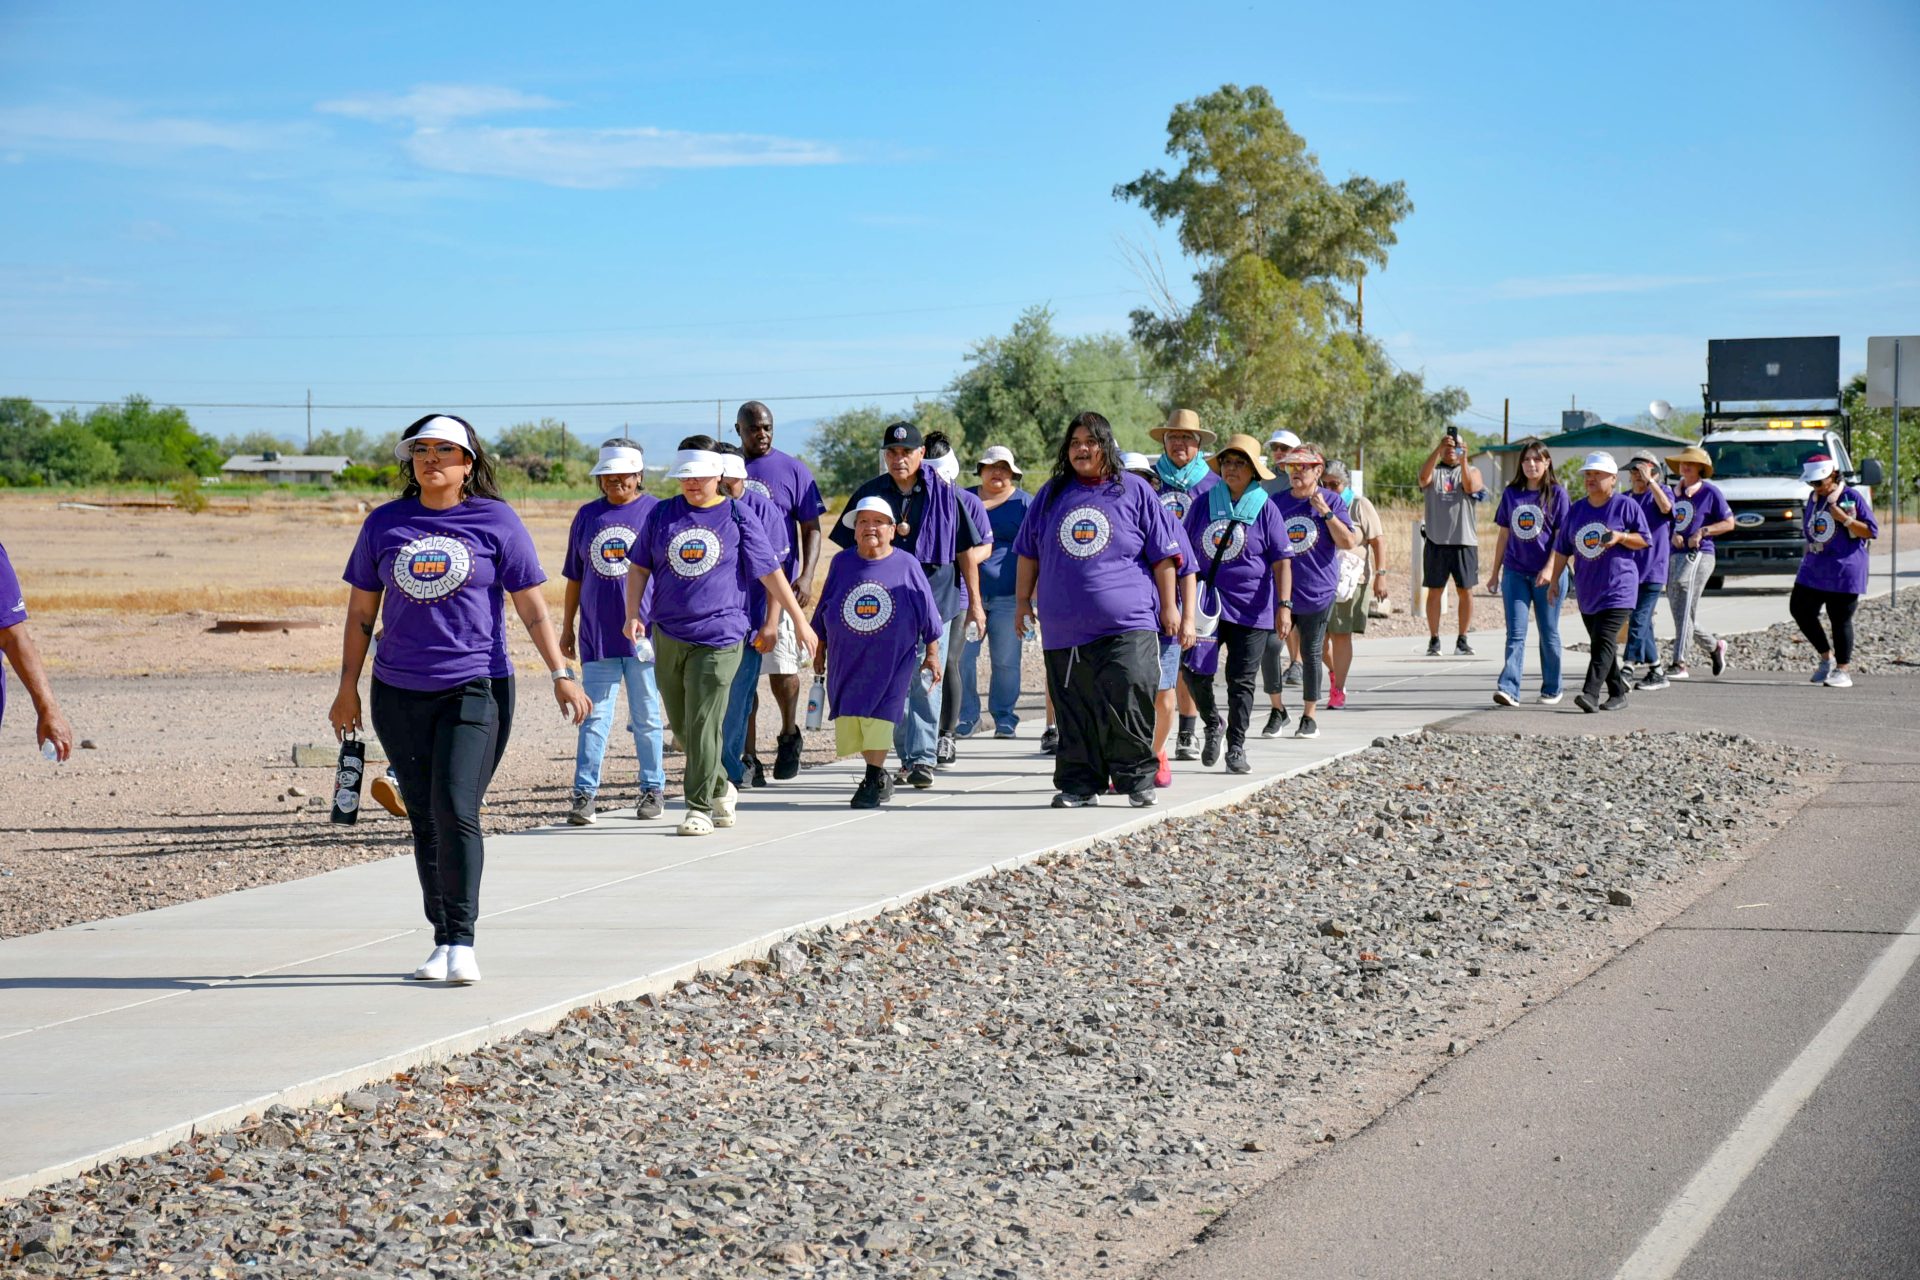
[1164, 778]
[1337, 699]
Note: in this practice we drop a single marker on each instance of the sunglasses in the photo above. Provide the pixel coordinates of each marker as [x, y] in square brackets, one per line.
[435, 450]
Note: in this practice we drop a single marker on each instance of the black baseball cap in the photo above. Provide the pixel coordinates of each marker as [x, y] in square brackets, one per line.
[901, 435]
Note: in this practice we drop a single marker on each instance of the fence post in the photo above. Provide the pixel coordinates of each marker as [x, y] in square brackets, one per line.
[1416, 573]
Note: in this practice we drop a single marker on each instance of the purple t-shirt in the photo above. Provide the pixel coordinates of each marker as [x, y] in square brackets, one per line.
[784, 480]
[445, 577]
[1653, 561]
[1316, 560]
[1707, 506]
[1531, 517]
[778, 530]
[1179, 502]
[700, 560]
[1835, 559]
[602, 537]
[1604, 577]
[975, 510]
[939, 528]
[1190, 567]
[13, 612]
[874, 616]
[1243, 584]
[1096, 545]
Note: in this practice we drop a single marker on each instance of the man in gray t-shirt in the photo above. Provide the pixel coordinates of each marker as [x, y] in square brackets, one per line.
[1452, 548]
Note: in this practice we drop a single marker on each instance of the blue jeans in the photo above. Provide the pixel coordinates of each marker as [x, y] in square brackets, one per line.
[1518, 594]
[733, 729]
[1003, 648]
[918, 732]
[601, 679]
[1641, 646]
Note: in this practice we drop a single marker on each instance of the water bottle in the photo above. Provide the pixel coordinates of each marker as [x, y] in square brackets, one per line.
[346, 780]
[49, 752]
[973, 632]
[643, 648]
[817, 703]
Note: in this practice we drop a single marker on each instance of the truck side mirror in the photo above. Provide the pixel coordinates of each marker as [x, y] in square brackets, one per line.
[1871, 473]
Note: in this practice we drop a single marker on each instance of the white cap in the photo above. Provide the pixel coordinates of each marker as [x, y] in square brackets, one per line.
[452, 430]
[870, 503]
[1284, 437]
[1131, 461]
[733, 467]
[999, 453]
[695, 464]
[946, 466]
[619, 460]
[1817, 468]
[1601, 460]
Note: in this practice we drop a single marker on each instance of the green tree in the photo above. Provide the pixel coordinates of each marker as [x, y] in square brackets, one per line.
[354, 442]
[546, 451]
[259, 442]
[23, 429]
[1873, 438]
[70, 453]
[153, 443]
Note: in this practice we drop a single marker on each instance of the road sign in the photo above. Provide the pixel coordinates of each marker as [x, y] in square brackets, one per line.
[1885, 358]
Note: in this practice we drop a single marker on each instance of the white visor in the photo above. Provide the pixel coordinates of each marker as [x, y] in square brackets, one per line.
[695, 464]
[452, 430]
[733, 467]
[618, 460]
[1817, 469]
[1131, 461]
[867, 504]
[946, 466]
[1601, 460]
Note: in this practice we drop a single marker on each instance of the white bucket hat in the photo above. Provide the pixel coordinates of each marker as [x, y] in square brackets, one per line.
[619, 460]
[1601, 460]
[441, 427]
[999, 453]
[695, 464]
[866, 504]
[1131, 461]
[1284, 438]
[1817, 468]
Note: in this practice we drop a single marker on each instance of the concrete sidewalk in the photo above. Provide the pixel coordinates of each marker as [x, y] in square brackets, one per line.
[125, 1036]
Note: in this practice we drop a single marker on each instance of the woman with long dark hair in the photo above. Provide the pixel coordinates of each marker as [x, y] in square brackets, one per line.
[1533, 507]
[1108, 554]
[435, 567]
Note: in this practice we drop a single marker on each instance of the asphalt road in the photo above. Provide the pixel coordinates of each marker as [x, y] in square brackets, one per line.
[1563, 1146]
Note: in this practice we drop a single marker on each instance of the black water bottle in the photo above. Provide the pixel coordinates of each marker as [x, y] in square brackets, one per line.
[347, 779]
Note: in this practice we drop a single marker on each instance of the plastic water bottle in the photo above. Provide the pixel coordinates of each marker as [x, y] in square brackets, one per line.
[49, 752]
[643, 649]
[973, 632]
[817, 703]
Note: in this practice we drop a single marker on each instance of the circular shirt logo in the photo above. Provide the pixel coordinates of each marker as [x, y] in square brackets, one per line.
[1528, 520]
[1211, 540]
[1177, 501]
[1085, 532]
[756, 486]
[1303, 534]
[432, 568]
[1682, 514]
[1820, 529]
[609, 549]
[1591, 540]
[867, 608]
[694, 552]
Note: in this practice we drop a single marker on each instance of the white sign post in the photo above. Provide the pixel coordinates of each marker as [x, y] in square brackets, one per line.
[1884, 357]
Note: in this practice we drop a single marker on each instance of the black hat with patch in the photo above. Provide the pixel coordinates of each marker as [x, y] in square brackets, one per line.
[901, 435]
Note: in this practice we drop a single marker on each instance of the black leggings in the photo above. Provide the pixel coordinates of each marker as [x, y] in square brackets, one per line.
[1603, 652]
[1103, 702]
[1241, 649]
[1805, 605]
[444, 745]
[1312, 629]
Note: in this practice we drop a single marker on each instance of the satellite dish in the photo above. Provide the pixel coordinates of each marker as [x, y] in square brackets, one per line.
[1660, 410]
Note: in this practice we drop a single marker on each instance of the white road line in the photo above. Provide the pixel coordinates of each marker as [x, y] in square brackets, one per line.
[1691, 1213]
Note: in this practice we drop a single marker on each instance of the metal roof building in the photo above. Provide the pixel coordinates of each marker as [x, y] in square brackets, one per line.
[284, 468]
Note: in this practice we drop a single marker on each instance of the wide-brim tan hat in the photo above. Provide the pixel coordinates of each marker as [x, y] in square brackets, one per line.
[1695, 454]
[1241, 443]
[1183, 420]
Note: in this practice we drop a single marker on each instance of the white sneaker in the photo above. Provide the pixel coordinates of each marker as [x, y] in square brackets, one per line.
[725, 804]
[1549, 699]
[1501, 698]
[435, 968]
[462, 969]
[696, 823]
[1839, 680]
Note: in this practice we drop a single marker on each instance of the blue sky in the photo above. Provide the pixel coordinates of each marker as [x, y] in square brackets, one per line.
[454, 206]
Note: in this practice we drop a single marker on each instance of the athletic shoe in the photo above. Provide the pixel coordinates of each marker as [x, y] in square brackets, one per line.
[1550, 699]
[1068, 800]
[1839, 680]
[462, 969]
[1719, 658]
[1163, 777]
[1618, 702]
[1210, 744]
[1143, 799]
[1307, 728]
[581, 814]
[1183, 748]
[1678, 671]
[1820, 672]
[1501, 698]
[867, 794]
[965, 728]
[1582, 701]
[1003, 731]
[1276, 721]
[435, 967]
[386, 794]
[1049, 741]
[1653, 681]
[920, 776]
[1336, 699]
[1461, 649]
[886, 786]
[786, 760]
[1292, 674]
[696, 823]
[726, 805]
[756, 772]
[1433, 647]
[1237, 760]
[945, 752]
[649, 806]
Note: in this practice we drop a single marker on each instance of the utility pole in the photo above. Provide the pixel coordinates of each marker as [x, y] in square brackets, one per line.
[718, 426]
[1360, 302]
[309, 419]
[1506, 420]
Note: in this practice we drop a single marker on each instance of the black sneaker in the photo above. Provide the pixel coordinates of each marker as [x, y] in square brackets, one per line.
[945, 751]
[1210, 745]
[920, 776]
[757, 772]
[1307, 729]
[1183, 748]
[649, 806]
[1049, 741]
[786, 760]
[1144, 799]
[1462, 649]
[581, 813]
[1292, 674]
[1585, 703]
[1618, 702]
[1276, 721]
[886, 786]
[1237, 760]
[1654, 680]
[1068, 800]
[867, 794]
[1433, 647]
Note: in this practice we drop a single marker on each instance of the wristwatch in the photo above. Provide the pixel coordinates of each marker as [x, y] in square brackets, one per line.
[1287, 603]
[564, 673]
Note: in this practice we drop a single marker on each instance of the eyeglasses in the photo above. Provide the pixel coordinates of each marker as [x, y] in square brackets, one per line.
[1180, 437]
[441, 450]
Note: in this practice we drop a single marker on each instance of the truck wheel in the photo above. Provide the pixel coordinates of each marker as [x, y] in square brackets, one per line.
[1717, 581]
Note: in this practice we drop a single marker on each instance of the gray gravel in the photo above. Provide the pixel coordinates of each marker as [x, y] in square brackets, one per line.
[1885, 640]
[1014, 1077]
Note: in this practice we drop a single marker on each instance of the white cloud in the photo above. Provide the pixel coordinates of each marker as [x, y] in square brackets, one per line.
[1574, 286]
[598, 158]
[114, 126]
[437, 104]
